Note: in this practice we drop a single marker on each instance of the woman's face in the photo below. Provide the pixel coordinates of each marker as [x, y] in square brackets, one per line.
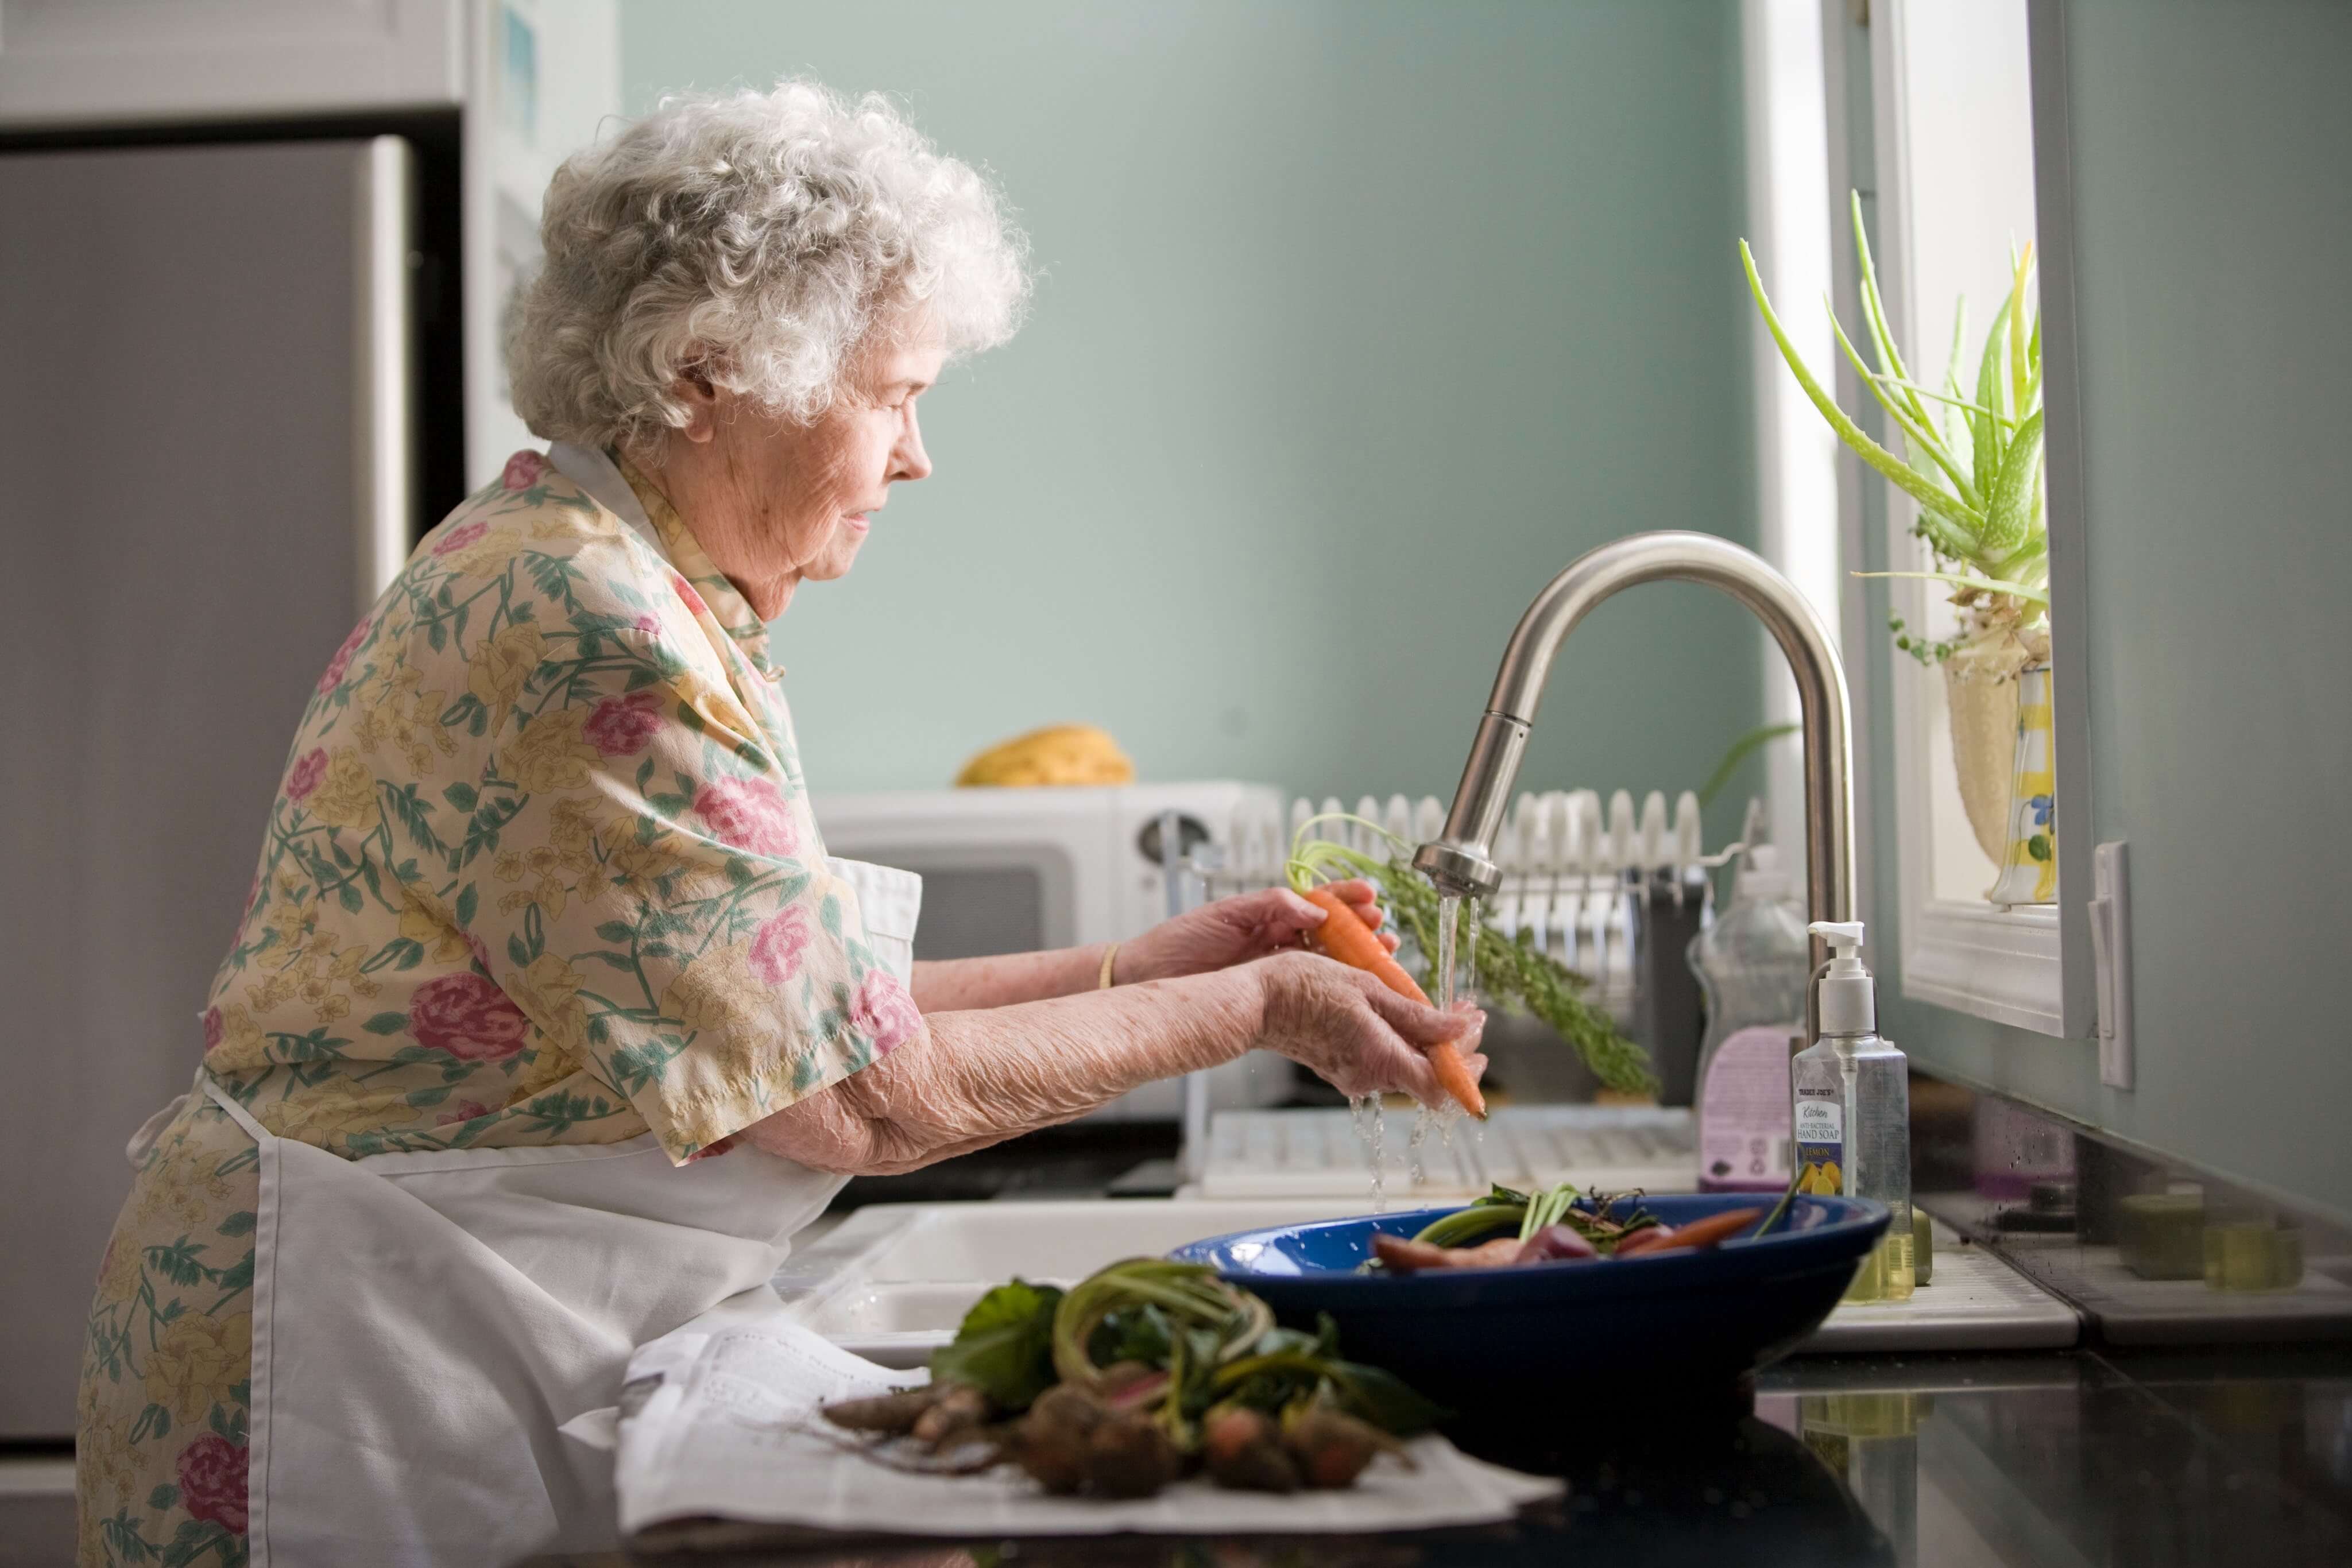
[774, 503]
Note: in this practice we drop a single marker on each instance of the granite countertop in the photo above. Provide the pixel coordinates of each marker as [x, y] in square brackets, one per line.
[2078, 1457]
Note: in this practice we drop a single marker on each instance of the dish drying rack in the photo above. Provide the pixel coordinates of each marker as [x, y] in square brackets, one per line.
[1616, 895]
[1588, 885]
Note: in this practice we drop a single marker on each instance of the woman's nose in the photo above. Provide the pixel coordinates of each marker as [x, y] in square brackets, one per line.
[908, 459]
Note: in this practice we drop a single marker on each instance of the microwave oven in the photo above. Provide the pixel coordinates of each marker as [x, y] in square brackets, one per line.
[1017, 870]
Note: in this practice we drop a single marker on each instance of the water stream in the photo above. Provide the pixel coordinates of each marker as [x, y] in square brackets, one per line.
[1364, 1111]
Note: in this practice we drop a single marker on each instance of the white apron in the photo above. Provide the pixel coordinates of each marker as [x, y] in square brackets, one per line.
[423, 1323]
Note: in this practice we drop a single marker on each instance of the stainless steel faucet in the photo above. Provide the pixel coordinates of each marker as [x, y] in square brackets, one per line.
[1463, 861]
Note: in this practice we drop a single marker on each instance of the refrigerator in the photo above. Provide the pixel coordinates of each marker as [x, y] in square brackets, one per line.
[209, 466]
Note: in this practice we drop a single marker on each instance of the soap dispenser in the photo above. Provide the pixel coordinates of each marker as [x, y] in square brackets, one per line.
[1851, 1112]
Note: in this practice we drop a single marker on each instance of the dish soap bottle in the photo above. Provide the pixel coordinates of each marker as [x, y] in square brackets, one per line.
[1753, 963]
[1851, 1112]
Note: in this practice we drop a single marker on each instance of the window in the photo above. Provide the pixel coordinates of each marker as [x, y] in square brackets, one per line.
[1954, 101]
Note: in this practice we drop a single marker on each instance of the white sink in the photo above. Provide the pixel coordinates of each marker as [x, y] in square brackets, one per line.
[892, 1281]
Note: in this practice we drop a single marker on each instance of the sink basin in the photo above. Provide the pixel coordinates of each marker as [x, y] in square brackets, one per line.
[892, 1281]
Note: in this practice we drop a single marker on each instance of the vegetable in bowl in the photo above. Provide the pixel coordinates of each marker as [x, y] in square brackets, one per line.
[1562, 1225]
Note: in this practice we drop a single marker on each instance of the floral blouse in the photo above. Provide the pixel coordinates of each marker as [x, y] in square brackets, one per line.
[541, 869]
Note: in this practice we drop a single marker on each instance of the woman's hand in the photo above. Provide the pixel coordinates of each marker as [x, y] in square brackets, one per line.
[1236, 930]
[1354, 1033]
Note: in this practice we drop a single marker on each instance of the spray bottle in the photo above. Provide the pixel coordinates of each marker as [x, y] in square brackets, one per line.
[1851, 1112]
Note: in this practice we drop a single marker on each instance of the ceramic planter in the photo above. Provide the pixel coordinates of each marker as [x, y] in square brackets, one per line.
[1984, 752]
[2029, 853]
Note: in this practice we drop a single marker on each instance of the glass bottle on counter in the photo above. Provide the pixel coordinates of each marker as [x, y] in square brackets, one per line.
[1851, 1112]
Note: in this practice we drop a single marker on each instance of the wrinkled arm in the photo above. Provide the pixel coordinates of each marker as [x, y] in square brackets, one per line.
[953, 984]
[974, 1078]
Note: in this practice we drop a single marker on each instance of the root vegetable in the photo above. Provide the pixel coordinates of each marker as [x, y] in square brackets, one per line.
[1401, 1255]
[1331, 1447]
[1344, 935]
[1128, 1455]
[1050, 1443]
[1712, 1231]
[1243, 1449]
[1648, 1239]
[1557, 1244]
[962, 1409]
[1055, 1460]
[892, 1413]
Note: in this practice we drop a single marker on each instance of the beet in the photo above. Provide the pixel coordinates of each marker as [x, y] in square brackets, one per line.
[1243, 1449]
[1331, 1447]
[1558, 1244]
[1128, 1455]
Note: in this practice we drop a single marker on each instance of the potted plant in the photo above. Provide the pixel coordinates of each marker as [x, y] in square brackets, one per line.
[1973, 464]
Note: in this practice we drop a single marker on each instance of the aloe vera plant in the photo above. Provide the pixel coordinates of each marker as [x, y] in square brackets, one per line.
[1973, 464]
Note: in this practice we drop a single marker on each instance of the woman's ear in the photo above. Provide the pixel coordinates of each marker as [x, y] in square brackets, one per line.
[693, 390]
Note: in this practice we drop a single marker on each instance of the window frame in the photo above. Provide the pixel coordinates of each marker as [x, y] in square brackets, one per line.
[2028, 966]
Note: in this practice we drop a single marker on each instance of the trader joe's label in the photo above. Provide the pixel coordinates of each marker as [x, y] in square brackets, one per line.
[1821, 1141]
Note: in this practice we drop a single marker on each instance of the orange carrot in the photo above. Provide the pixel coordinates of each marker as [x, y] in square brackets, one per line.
[1711, 1231]
[1344, 935]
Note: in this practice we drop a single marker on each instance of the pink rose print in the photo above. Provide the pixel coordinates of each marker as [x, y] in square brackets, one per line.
[523, 470]
[883, 1012]
[685, 591]
[467, 1015]
[459, 537]
[749, 813]
[620, 726]
[713, 1151]
[212, 1028]
[776, 945]
[481, 954]
[212, 1481]
[463, 1111]
[308, 771]
[254, 892]
[648, 626]
[342, 659]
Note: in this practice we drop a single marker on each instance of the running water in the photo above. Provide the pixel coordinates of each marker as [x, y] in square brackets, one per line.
[1364, 1111]
[1449, 909]
[1449, 906]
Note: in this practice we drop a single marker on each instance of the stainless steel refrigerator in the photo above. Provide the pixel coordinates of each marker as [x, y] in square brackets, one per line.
[207, 470]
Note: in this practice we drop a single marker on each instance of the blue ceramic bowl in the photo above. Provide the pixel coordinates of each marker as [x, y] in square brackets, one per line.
[1478, 1337]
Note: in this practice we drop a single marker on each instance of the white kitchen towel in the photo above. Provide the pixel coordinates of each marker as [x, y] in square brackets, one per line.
[718, 1421]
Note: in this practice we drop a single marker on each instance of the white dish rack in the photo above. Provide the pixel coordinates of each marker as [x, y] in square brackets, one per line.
[1571, 870]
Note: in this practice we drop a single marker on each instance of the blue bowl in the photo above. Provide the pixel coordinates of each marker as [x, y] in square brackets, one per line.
[1478, 1338]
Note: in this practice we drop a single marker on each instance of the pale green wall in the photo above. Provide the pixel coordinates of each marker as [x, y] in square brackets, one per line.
[2212, 231]
[1357, 321]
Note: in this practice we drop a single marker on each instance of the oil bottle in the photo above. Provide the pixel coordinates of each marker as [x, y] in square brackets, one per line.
[1851, 1112]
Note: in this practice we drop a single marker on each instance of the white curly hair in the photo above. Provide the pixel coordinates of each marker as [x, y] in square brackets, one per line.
[757, 239]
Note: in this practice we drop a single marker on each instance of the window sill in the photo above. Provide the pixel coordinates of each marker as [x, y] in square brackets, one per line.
[1993, 963]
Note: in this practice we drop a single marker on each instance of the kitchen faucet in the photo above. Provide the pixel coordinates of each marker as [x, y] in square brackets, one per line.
[1462, 862]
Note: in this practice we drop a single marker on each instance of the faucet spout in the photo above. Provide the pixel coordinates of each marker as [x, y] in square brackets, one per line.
[1462, 862]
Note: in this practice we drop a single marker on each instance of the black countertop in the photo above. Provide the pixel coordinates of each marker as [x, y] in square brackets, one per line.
[2239, 1458]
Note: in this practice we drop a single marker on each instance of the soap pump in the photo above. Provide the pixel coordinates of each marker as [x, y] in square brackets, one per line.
[1851, 1111]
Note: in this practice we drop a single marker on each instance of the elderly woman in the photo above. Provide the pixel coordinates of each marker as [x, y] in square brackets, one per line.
[543, 922]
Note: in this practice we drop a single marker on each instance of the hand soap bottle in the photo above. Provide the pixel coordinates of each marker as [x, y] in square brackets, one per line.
[1851, 1112]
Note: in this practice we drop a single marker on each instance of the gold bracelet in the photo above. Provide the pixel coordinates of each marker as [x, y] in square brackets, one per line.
[1110, 957]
